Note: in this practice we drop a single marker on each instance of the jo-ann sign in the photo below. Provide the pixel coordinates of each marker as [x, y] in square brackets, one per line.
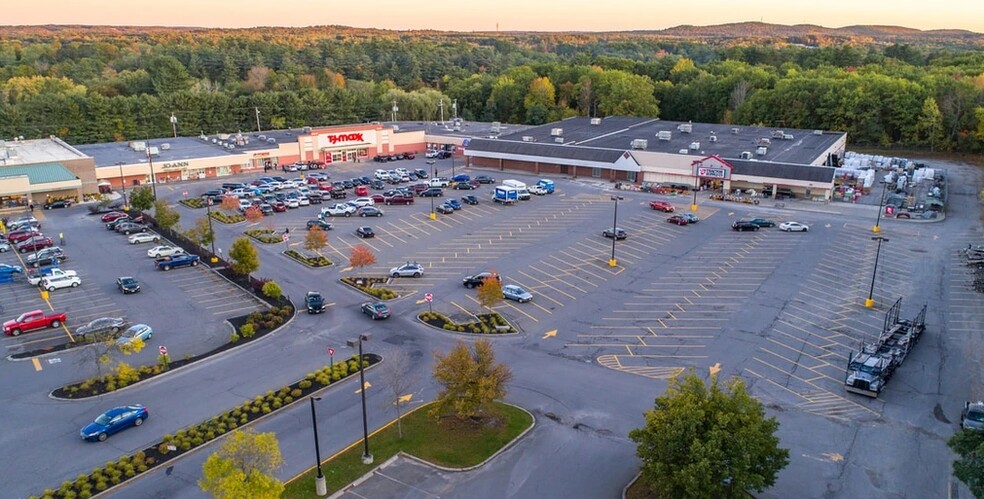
[345, 137]
[712, 167]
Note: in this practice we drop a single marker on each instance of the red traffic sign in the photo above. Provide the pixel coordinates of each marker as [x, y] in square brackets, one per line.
[285, 237]
[210, 201]
[331, 351]
[184, 193]
[428, 297]
[162, 349]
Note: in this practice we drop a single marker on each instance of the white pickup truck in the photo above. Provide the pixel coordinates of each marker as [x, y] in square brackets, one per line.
[34, 277]
[439, 182]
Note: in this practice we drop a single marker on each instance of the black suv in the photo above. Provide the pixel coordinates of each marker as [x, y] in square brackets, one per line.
[478, 279]
[315, 302]
[744, 225]
[432, 192]
[761, 222]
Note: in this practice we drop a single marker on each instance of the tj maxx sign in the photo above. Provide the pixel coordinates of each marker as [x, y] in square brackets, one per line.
[350, 138]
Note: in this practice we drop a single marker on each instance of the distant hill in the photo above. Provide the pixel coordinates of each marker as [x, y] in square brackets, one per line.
[885, 34]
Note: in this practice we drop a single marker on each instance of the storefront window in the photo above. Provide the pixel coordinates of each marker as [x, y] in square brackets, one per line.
[596, 172]
[630, 176]
[13, 201]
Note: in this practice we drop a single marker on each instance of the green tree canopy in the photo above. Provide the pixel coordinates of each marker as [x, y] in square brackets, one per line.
[243, 467]
[700, 439]
[471, 380]
[245, 258]
[142, 198]
[166, 216]
[969, 466]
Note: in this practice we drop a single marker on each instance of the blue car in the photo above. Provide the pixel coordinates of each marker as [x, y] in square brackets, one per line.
[454, 203]
[460, 178]
[112, 421]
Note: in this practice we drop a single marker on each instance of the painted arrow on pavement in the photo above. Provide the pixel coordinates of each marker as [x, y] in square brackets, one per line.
[550, 334]
[405, 398]
[716, 368]
[366, 386]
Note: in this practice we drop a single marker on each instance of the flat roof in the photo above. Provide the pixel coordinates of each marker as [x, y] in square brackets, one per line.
[172, 149]
[258, 141]
[28, 152]
[466, 129]
[39, 174]
[618, 132]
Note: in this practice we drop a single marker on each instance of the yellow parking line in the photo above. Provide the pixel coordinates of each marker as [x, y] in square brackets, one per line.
[544, 283]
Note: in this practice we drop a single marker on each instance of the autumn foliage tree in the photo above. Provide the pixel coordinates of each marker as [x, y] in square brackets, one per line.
[253, 214]
[361, 256]
[471, 380]
[229, 203]
[490, 292]
[316, 239]
[244, 467]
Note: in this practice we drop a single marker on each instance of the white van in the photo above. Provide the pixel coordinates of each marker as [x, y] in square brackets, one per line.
[521, 190]
[52, 283]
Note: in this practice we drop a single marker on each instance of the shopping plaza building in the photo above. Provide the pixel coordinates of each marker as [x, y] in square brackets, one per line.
[614, 149]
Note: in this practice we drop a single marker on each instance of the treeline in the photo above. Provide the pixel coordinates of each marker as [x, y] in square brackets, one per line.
[93, 86]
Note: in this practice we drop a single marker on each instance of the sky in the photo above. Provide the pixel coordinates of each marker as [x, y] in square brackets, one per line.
[504, 15]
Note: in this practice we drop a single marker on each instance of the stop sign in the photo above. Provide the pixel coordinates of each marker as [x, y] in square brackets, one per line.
[428, 297]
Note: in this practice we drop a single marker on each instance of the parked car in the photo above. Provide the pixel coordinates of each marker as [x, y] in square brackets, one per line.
[159, 251]
[144, 237]
[173, 262]
[691, 218]
[7, 269]
[485, 179]
[761, 222]
[444, 209]
[338, 209]
[421, 173]
[112, 421]
[127, 228]
[101, 325]
[464, 186]
[321, 224]
[407, 270]
[678, 220]
[61, 203]
[113, 215]
[365, 232]
[141, 331]
[661, 206]
[475, 280]
[4, 247]
[743, 225]
[46, 257]
[514, 292]
[266, 209]
[370, 211]
[315, 302]
[432, 192]
[19, 236]
[794, 227]
[539, 190]
[454, 204]
[127, 285]
[30, 321]
[53, 282]
[615, 233]
[398, 198]
[469, 199]
[35, 244]
[377, 310]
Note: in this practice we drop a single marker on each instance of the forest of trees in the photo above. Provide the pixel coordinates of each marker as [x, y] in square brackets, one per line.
[100, 84]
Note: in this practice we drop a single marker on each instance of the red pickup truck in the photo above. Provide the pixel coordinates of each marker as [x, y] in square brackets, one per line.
[29, 321]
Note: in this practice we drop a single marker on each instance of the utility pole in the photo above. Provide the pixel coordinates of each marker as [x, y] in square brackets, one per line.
[395, 109]
[174, 124]
[454, 108]
[441, 105]
[258, 130]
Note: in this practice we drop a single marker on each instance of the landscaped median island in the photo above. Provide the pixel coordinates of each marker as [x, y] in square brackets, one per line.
[447, 442]
[247, 328]
[368, 286]
[193, 203]
[492, 323]
[311, 261]
[265, 236]
[172, 446]
[228, 218]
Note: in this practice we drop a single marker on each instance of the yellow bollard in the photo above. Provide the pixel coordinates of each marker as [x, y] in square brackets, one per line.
[612, 263]
[869, 303]
[876, 229]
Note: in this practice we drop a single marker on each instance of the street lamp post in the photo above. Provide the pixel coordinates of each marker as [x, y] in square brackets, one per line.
[211, 233]
[122, 183]
[153, 178]
[693, 206]
[366, 456]
[870, 302]
[433, 215]
[613, 262]
[320, 487]
[451, 155]
[881, 206]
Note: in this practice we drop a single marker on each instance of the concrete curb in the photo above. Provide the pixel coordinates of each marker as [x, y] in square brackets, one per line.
[471, 335]
[629, 485]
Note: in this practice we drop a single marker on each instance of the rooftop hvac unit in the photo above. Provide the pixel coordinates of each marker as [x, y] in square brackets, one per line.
[684, 151]
[153, 151]
[166, 146]
[760, 151]
[457, 127]
[787, 136]
[595, 121]
[764, 142]
[306, 129]
[262, 137]
[664, 135]
[215, 140]
[685, 127]
[527, 138]
[712, 138]
[396, 128]
[271, 140]
[556, 132]
[230, 146]
[496, 126]
[818, 132]
[559, 140]
[735, 130]
[640, 144]
[746, 155]
[777, 134]
[138, 146]
[695, 146]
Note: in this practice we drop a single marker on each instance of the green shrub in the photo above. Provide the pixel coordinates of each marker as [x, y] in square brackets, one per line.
[254, 317]
[272, 290]
[305, 384]
[233, 338]
[247, 330]
[288, 399]
[296, 392]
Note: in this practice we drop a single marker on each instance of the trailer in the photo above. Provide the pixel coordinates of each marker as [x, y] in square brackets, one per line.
[505, 195]
[869, 370]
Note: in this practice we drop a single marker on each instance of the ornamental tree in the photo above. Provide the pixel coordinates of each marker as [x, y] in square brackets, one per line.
[244, 467]
[245, 259]
[471, 379]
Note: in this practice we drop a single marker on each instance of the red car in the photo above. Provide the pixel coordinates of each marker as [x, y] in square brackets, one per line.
[678, 219]
[113, 215]
[398, 199]
[22, 235]
[35, 244]
[377, 198]
[661, 206]
[29, 321]
[279, 207]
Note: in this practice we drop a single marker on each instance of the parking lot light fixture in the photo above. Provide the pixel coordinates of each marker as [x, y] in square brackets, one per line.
[122, 184]
[870, 302]
[433, 215]
[693, 206]
[366, 456]
[881, 206]
[320, 486]
[612, 262]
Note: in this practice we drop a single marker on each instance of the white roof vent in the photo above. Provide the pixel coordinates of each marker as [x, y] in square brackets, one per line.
[761, 151]
[712, 138]
[735, 130]
[271, 140]
[496, 126]
[527, 138]
[559, 140]
[685, 127]
[640, 144]
[664, 135]
[764, 142]
[262, 137]
[787, 136]
[153, 151]
[230, 146]
[684, 151]
[556, 132]
[746, 155]
[306, 129]
[138, 146]
[777, 134]
[215, 140]
[695, 146]
[165, 146]
[818, 132]
[595, 121]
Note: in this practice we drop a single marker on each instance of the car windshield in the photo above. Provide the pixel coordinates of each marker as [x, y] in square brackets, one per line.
[976, 416]
[103, 420]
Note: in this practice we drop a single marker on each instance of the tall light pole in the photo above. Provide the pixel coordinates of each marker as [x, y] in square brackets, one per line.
[211, 233]
[122, 183]
[870, 302]
[612, 262]
[174, 125]
[320, 487]
[881, 206]
[153, 178]
[433, 215]
[366, 456]
[693, 206]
